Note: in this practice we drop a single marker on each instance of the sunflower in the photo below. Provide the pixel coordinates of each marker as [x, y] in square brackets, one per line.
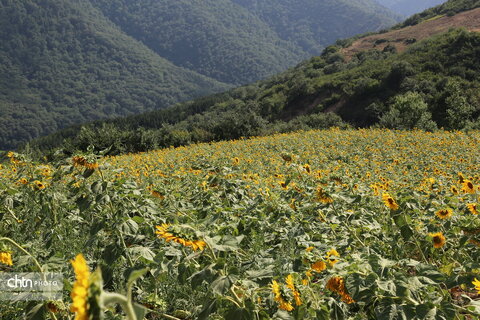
[307, 168]
[6, 258]
[38, 185]
[438, 239]
[331, 257]
[468, 187]
[444, 213]
[79, 292]
[322, 196]
[319, 266]
[79, 161]
[282, 303]
[162, 232]
[476, 283]
[389, 201]
[472, 207]
[23, 181]
[283, 184]
[453, 190]
[291, 285]
[337, 284]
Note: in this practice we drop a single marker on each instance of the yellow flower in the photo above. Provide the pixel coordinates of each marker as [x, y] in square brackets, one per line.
[322, 196]
[291, 285]
[282, 303]
[389, 201]
[332, 261]
[6, 258]
[472, 207]
[438, 239]
[476, 283]
[309, 249]
[319, 266]
[38, 185]
[307, 168]
[169, 236]
[79, 292]
[468, 187]
[453, 190]
[23, 181]
[444, 213]
[82, 162]
[337, 284]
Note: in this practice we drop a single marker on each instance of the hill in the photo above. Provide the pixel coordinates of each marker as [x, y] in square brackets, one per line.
[409, 7]
[63, 62]
[239, 41]
[355, 83]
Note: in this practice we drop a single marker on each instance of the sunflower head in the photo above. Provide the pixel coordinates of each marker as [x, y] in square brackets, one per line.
[473, 208]
[468, 187]
[38, 185]
[280, 297]
[319, 266]
[80, 288]
[476, 283]
[389, 201]
[438, 239]
[174, 234]
[444, 213]
[6, 257]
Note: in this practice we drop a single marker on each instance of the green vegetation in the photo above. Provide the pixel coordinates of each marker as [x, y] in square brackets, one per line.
[450, 8]
[240, 41]
[433, 84]
[63, 63]
[321, 225]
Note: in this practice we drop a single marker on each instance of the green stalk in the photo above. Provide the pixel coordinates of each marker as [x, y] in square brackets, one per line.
[112, 298]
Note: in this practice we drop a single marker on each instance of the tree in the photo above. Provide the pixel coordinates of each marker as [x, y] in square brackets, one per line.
[408, 111]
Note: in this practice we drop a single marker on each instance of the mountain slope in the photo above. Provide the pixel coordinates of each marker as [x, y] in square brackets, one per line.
[312, 25]
[409, 7]
[429, 83]
[433, 83]
[62, 62]
[239, 41]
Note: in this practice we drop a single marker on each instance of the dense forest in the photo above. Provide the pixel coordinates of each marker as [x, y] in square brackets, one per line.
[434, 84]
[240, 41]
[63, 62]
[68, 62]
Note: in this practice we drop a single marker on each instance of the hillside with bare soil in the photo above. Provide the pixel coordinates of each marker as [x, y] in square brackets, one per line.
[402, 38]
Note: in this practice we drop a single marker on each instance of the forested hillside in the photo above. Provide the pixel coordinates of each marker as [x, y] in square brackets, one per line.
[239, 41]
[62, 62]
[409, 7]
[312, 25]
[433, 84]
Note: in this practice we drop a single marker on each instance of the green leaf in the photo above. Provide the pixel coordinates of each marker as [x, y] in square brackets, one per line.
[221, 285]
[36, 312]
[135, 274]
[406, 232]
[239, 314]
[143, 252]
[140, 311]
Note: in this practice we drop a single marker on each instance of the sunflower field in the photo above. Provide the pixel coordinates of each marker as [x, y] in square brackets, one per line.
[331, 224]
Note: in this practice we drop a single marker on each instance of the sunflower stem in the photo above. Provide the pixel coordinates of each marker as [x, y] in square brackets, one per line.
[112, 298]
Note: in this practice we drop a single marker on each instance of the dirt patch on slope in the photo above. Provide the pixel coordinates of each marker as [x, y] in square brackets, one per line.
[402, 38]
